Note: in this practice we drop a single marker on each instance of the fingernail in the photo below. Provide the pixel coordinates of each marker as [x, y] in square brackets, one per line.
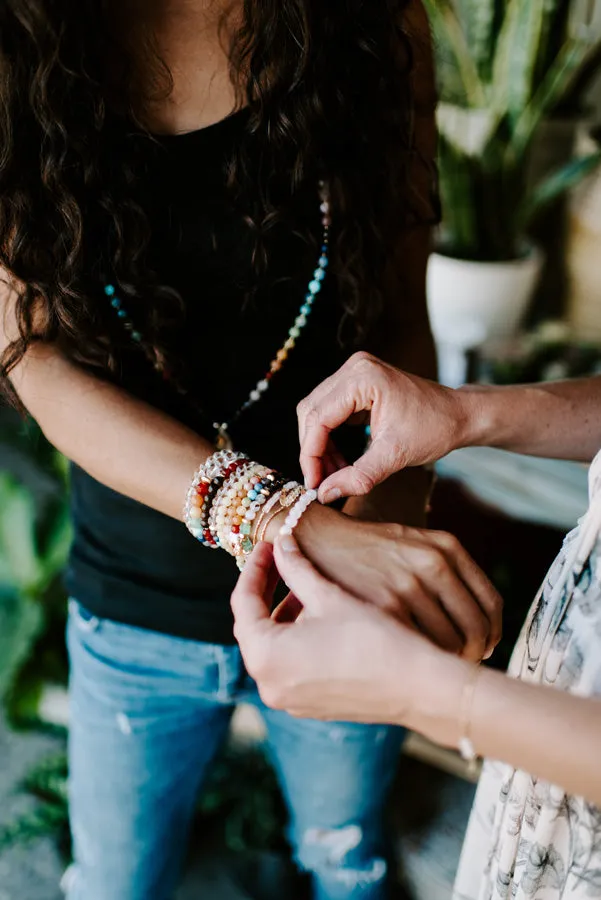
[287, 544]
[332, 495]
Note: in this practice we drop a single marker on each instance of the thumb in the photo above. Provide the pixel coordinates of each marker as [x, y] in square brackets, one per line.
[317, 595]
[376, 465]
[252, 597]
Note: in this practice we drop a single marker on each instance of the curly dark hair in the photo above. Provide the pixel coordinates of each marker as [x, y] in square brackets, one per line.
[329, 93]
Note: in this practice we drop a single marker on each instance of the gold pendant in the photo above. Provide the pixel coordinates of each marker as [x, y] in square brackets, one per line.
[223, 441]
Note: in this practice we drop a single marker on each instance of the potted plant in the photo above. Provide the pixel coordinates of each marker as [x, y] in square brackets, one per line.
[505, 67]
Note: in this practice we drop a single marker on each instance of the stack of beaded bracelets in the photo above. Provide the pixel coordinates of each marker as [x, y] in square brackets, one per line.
[232, 501]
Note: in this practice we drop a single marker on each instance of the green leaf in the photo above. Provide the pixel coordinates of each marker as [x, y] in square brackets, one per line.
[459, 223]
[479, 18]
[551, 92]
[560, 181]
[516, 56]
[61, 467]
[48, 784]
[21, 620]
[17, 534]
[448, 30]
[22, 702]
[553, 36]
[25, 437]
[6, 575]
[15, 431]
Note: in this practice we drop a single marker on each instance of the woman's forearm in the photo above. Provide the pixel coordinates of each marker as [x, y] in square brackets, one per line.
[558, 419]
[544, 731]
[119, 440]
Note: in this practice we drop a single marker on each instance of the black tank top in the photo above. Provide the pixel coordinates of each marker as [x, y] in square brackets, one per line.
[128, 562]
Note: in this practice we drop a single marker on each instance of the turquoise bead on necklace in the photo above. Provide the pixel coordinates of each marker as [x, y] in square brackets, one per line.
[223, 440]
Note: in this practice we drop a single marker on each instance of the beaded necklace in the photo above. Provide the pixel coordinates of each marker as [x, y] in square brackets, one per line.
[223, 439]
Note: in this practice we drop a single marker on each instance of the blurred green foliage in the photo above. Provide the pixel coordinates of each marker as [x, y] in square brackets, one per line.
[240, 808]
[505, 67]
[35, 535]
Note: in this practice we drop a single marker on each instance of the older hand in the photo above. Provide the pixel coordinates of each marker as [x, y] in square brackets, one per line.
[423, 578]
[413, 421]
[343, 660]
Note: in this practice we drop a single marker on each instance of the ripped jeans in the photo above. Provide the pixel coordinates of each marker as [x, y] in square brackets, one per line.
[148, 713]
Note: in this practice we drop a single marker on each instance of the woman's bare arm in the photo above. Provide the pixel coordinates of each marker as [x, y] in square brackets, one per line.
[547, 732]
[346, 660]
[123, 442]
[560, 419]
[119, 440]
[415, 421]
[148, 456]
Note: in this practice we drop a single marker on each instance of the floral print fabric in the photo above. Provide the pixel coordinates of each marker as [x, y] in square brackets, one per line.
[527, 839]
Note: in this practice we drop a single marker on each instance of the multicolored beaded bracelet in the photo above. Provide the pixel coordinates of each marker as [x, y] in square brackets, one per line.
[227, 499]
[257, 496]
[260, 496]
[231, 510]
[232, 501]
[202, 491]
[222, 503]
[209, 492]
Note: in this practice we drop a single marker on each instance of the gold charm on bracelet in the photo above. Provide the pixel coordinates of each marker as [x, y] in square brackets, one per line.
[223, 440]
[289, 497]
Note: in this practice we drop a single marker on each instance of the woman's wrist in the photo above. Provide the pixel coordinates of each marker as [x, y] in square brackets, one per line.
[475, 413]
[310, 530]
[440, 712]
[495, 416]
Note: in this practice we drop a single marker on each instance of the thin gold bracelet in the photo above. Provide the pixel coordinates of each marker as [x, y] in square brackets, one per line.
[264, 511]
[286, 498]
[466, 746]
[267, 522]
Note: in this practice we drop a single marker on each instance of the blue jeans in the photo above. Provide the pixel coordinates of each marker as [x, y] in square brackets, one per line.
[148, 714]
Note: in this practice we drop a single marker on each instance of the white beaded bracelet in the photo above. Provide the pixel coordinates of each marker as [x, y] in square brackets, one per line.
[298, 511]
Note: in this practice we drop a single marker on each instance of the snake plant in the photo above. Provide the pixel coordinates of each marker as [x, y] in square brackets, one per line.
[505, 66]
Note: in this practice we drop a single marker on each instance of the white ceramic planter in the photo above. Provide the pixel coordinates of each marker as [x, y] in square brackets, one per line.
[471, 303]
